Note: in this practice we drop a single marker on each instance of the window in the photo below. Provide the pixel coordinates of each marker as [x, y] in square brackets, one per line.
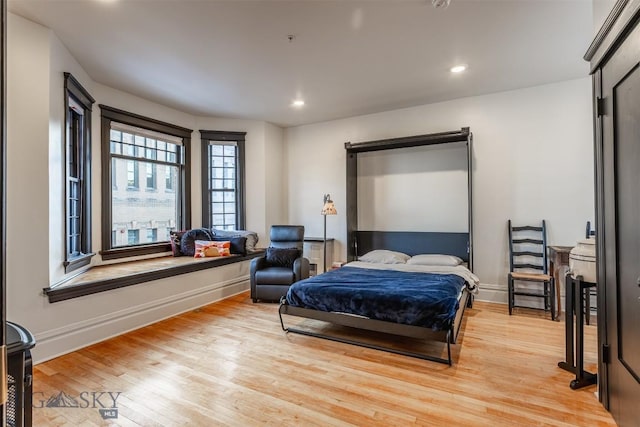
[132, 174]
[133, 237]
[152, 234]
[223, 179]
[78, 104]
[114, 174]
[151, 175]
[138, 148]
[168, 179]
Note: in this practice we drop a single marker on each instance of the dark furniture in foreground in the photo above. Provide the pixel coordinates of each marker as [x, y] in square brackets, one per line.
[19, 400]
[414, 243]
[576, 292]
[613, 58]
[270, 282]
[528, 263]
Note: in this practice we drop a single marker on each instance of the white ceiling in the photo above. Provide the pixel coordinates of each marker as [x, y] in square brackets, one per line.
[233, 58]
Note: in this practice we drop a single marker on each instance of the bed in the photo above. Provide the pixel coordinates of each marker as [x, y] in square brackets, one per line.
[444, 324]
[406, 299]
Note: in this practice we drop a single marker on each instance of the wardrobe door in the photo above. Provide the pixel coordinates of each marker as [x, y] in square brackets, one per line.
[620, 205]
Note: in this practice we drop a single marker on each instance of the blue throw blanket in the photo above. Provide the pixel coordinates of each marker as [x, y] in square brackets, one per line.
[420, 299]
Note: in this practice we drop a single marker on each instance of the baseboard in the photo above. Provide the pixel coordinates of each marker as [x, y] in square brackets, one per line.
[492, 293]
[499, 294]
[56, 342]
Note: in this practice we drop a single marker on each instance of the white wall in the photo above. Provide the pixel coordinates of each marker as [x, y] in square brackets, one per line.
[275, 172]
[386, 183]
[27, 171]
[533, 159]
[35, 202]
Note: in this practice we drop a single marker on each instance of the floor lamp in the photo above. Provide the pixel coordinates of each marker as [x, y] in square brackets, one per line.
[327, 209]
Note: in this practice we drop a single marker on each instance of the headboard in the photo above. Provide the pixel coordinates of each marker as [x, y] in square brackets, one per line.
[414, 242]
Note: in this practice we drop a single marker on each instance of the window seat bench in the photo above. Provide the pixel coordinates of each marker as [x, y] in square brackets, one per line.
[113, 276]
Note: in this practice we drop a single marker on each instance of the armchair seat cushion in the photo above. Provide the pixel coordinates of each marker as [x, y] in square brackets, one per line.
[275, 276]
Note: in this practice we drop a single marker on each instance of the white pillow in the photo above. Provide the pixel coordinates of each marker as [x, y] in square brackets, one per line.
[435, 259]
[383, 256]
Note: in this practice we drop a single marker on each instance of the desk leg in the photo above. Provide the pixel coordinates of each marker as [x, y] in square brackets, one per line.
[583, 378]
[568, 363]
[556, 279]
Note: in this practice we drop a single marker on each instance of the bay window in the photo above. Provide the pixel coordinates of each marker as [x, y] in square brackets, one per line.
[135, 151]
[223, 179]
[78, 105]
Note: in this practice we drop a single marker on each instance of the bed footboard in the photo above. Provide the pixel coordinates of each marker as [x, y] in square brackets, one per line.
[448, 336]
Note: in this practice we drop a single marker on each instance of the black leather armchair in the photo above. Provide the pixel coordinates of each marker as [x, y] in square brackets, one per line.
[270, 282]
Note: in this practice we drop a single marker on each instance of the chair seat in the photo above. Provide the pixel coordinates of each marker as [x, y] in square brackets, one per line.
[535, 277]
[275, 276]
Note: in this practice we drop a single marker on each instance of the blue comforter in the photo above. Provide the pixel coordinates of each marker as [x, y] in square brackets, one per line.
[420, 299]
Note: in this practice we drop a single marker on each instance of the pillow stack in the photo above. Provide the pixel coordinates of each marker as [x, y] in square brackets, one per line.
[383, 256]
[239, 242]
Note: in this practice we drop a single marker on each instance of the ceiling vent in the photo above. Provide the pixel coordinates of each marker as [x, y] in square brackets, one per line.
[440, 4]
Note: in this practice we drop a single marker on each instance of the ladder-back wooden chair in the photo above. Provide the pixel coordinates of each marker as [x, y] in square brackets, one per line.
[528, 264]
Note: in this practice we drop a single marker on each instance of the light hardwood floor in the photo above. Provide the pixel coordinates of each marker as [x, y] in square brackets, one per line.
[229, 363]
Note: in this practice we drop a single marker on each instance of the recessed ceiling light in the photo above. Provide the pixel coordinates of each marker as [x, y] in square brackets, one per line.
[458, 68]
[298, 103]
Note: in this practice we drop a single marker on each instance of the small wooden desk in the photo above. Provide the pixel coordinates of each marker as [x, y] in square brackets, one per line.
[313, 250]
[558, 257]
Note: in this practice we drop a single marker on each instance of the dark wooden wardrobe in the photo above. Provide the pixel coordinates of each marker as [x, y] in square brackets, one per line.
[615, 65]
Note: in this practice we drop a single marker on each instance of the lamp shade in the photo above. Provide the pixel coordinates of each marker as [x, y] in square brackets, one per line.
[328, 208]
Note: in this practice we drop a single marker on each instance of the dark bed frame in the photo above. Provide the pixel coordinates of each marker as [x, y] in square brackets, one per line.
[411, 243]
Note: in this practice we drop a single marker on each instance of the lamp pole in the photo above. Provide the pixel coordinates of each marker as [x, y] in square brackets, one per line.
[324, 245]
[327, 209]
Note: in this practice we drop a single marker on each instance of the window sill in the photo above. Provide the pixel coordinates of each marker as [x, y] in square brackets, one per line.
[77, 262]
[107, 277]
[154, 248]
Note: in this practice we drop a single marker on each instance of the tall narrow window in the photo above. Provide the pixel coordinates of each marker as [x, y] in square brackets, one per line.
[168, 179]
[133, 174]
[152, 234]
[78, 104]
[223, 179]
[133, 237]
[151, 176]
[142, 147]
